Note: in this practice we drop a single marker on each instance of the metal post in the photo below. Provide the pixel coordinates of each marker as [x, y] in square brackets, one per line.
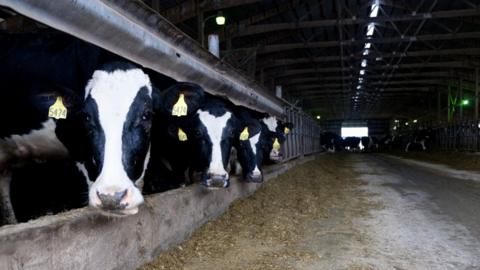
[214, 45]
[278, 91]
[460, 86]
[200, 26]
[439, 106]
[476, 93]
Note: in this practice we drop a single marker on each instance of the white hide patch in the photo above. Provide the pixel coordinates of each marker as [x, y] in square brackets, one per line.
[40, 143]
[114, 93]
[215, 126]
[253, 143]
[271, 123]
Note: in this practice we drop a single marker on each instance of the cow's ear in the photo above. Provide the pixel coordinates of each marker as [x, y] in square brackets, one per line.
[181, 99]
[287, 127]
[70, 99]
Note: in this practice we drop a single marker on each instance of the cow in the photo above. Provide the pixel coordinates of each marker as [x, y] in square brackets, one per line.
[419, 139]
[107, 105]
[250, 142]
[214, 134]
[173, 137]
[331, 142]
[277, 132]
[351, 143]
[369, 143]
[392, 142]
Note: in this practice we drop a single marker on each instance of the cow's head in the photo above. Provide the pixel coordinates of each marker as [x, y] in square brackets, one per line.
[214, 135]
[251, 142]
[278, 134]
[117, 116]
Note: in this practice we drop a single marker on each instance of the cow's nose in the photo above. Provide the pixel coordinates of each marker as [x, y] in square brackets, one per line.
[255, 177]
[112, 201]
[217, 180]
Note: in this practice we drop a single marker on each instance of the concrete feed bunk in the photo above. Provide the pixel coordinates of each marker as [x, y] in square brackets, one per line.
[84, 239]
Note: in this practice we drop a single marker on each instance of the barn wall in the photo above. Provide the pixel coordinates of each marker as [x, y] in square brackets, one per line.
[84, 239]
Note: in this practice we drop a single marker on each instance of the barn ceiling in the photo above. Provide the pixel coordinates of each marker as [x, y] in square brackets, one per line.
[346, 58]
[343, 59]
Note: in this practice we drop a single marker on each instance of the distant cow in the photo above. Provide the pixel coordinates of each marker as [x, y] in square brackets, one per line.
[351, 143]
[419, 139]
[331, 142]
[370, 143]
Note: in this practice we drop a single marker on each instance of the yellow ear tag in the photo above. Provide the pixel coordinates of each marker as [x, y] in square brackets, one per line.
[182, 136]
[57, 110]
[276, 145]
[244, 135]
[286, 130]
[180, 108]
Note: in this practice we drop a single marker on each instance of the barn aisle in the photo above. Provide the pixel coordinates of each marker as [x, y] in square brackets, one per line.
[348, 211]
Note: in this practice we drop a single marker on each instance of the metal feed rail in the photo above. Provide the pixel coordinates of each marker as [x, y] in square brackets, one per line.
[130, 29]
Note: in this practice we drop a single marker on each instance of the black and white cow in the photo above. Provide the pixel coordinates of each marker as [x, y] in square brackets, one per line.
[369, 143]
[351, 144]
[174, 137]
[331, 142]
[277, 134]
[251, 142]
[214, 137]
[108, 119]
[419, 140]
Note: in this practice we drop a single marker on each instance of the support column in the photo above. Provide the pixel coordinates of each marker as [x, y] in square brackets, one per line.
[200, 25]
[278, 91]
[439, 105]
[460, 90]
[476, 93]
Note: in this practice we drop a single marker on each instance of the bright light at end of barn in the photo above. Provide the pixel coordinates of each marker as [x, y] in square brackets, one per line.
[354, 132]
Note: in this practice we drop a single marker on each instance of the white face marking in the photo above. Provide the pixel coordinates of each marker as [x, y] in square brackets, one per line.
[215, 126]
[271, 123]
[81, 167]
[38, 143]
[114, 93]
[253, 143]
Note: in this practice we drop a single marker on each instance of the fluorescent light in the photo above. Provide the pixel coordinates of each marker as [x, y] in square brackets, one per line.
[371, 28]
[415, 120]
[365, 52]
[364, 62]
[362, 72]
[318, 117]
[359, 86]
[374, 11]
[368, 45]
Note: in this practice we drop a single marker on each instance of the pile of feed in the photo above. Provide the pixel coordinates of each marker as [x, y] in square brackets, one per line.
[273, 228]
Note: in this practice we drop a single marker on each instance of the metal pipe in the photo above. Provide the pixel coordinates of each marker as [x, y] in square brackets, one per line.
[130, 29]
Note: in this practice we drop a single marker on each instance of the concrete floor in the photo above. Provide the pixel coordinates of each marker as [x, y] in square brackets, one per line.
[430, 220]
[368, 211]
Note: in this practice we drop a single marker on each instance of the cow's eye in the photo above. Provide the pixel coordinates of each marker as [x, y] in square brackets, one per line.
[146, 116]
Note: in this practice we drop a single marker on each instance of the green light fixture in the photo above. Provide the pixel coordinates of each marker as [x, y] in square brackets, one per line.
[220, 19]
[465, 102]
